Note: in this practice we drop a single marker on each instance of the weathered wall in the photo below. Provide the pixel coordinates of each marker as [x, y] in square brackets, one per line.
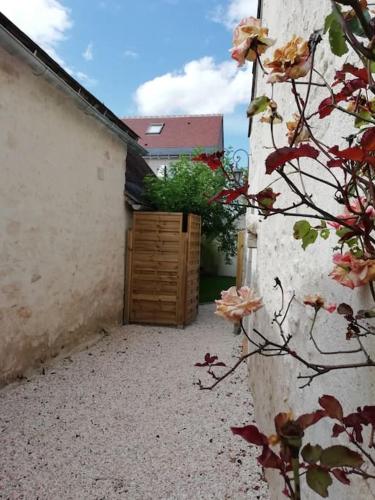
[62, 221]
[274, 380]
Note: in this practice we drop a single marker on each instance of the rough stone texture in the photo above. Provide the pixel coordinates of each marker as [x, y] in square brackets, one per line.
[274, 382]
[62, 223]
[123, 419]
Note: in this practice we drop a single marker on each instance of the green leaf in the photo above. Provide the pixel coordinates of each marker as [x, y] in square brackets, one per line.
[365, 313]
[356, 27]
[360, 120]
[343, 231]
[329, 20]
[357, 252]
[300, 229]
[258, 105]
[319, 480]
[309, 238]
[352, 242]
[337, 39]
[311, 454]
[340, 456]
[324, 233]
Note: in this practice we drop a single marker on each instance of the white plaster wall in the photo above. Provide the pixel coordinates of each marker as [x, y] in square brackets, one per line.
[62, 223]
[274, 381]
[225, 269]
[156, 163]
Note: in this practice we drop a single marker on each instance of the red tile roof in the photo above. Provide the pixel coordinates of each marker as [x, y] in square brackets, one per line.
[180, 132]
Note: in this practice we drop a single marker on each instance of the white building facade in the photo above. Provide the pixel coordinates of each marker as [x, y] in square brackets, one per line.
[274, 380]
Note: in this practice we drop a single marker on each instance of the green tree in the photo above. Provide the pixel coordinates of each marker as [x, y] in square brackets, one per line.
[188, 188]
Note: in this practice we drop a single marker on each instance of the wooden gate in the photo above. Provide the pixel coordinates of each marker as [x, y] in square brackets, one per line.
[163, 268]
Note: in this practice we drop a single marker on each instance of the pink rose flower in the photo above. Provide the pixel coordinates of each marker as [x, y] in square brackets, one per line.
[318, 302]
[350, 217]
[249, 39]
[291, 61]
[235, 304]
[352, 272]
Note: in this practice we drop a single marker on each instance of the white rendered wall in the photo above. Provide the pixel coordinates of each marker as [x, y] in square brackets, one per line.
[62, 221]
[274, 380]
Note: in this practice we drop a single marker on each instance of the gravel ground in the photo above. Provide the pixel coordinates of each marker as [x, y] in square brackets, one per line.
[122, 419]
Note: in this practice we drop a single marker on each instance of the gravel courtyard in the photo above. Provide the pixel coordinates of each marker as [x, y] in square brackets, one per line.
[123, 420]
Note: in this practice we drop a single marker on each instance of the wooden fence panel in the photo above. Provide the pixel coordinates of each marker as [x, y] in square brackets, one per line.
[240, 258]
[155, 270]
[164, 269]
[192, 268]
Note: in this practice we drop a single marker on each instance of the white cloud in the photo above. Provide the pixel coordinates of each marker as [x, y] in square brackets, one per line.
[131, 53]
[45, 21]
[201, 87]
[88, 52]
[231, 14]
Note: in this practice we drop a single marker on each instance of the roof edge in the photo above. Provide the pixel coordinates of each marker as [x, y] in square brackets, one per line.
[172, 116]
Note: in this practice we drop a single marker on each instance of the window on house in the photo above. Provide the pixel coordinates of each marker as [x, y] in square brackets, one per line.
[155, 128]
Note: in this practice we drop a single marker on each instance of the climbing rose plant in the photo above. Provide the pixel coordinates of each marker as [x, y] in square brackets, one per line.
[346, 172]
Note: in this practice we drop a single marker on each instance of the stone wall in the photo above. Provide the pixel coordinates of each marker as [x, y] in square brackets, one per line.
[62, 223]
[274, 380]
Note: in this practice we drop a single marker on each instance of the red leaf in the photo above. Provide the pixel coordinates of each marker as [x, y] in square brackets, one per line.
[309, 419]
[352, 86]
[270, 460]
[251, 434]
[355, 154]
[230, 195]
[281, 419]
[201, 364]
[326, 106]
[368, 139]
[210, 359]
[355, 421]
[283, 155]
[360, 73]
[340, 476]
[213, 160]
[334, 163]
[368, 414]
[220, 363]
[337, 430]
[332, 407]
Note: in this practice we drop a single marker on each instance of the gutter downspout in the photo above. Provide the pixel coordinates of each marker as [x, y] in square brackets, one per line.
[255, 68]
[252, 220]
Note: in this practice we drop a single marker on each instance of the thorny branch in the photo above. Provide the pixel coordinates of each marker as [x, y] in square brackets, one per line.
[267, 347]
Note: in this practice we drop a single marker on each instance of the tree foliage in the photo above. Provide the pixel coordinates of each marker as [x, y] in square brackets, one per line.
[189, 187]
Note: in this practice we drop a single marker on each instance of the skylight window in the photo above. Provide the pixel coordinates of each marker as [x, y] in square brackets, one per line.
[155, 128]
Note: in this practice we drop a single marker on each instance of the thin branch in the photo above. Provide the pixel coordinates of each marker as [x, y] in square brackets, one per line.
[229, 372]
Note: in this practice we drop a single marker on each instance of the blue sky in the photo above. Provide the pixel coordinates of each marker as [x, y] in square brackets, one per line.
[147, 57]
